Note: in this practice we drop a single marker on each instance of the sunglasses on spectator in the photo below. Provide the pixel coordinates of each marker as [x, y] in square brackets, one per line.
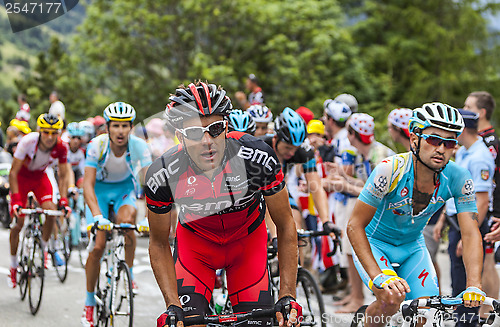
[76, 137]
[49, 131]
[438, 140]
[196, 133]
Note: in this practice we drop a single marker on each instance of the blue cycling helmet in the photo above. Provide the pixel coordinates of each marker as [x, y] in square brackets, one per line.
[241, 121]
[290, 127]
[75, 130]
[437, 115]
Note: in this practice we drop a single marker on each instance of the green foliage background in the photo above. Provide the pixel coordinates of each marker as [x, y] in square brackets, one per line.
[392, 53]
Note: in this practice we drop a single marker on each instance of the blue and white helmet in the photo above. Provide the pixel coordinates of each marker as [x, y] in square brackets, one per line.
[119, 111]
[260, 113]
[437, 115]
[241, 121]
[338, 110]
[290, 127]
[75, 130]
[87, 128]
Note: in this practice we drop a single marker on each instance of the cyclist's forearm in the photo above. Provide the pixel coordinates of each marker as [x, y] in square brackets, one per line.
[360, 218]
[288, 258]
[163, 267]
[472, 248]
[362, 249]
[14, 186]
[321, 203]
[64, 179]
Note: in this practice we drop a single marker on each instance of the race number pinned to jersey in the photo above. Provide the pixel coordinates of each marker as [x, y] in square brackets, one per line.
[468, 187]
[485, 174]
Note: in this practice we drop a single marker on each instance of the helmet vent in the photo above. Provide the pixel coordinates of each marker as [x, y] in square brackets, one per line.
[420, 116]
[429, 111]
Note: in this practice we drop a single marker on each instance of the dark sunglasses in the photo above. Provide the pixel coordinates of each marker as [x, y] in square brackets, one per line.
[438, 140]
[195, 133]
[76, 137]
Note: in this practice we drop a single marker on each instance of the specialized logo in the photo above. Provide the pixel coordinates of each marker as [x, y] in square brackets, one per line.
[485, 174]
[162, 175]
[468, 187]
[404, 191]
[423, 275]
[258, 156]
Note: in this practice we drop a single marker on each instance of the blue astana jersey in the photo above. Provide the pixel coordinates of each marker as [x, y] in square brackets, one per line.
[390, 189]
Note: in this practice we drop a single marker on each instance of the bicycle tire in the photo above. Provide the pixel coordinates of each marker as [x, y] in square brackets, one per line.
[83, 242]
[309, 296]
[36, 276]
[122, 299]
[101, 315]
[359, 317]
[5, 215]
[22, 268]
[61, 246]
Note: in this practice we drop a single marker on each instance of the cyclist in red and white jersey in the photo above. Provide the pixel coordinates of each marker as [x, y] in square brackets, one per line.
[35, 152]
[222, 183]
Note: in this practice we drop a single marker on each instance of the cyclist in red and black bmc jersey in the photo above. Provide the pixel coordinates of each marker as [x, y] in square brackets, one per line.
[35, 152]
[222, 183]
[290, 148]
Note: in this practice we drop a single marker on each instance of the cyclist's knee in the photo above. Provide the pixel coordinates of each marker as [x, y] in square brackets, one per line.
[17, 227]
[98, 249]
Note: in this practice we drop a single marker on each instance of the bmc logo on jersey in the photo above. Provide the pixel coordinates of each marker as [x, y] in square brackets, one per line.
[258, 156]
[161, 176]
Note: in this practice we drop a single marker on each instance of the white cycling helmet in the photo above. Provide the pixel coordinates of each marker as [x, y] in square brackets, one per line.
[338, 110]
[349, 100]
[437, 115]
[260, 113]
[119, 111]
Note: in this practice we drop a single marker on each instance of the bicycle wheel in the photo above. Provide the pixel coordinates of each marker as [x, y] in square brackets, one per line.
[122, 305]
[60, 250]
[359, 317]
[22, 268]
[101, 309]
[311, 299]
[36, 276]
[84, 241]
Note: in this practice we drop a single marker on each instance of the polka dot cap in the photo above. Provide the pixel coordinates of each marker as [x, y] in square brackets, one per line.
[364, 125]
[400, 117]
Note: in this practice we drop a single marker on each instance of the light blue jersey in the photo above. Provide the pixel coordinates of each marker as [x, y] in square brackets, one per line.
[390, 189]
[119, 191]
[137, 156]
[395, 234]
